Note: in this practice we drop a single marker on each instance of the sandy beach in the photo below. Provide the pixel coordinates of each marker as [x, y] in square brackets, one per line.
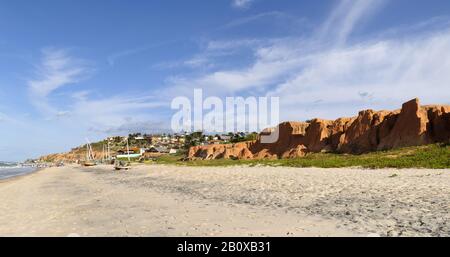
[158, 200]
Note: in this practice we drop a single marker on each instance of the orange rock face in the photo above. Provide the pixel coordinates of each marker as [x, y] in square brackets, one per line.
[370, 131]
[227, 151]
[70, 157]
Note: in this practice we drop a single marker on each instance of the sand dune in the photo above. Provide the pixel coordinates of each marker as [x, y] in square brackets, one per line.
[227, 201]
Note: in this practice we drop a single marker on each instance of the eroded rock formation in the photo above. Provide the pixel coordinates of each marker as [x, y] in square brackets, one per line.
[370, 131]
[73, 156]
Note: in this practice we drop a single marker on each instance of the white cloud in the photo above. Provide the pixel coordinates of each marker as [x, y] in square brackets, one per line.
[272, 16]
[344, 18]
[389, 71]
[220, 45]
[241, 3]
[277, 59]
[272, 63]
[61, 114]
[80, 95]
[10, 118]
[311, 75]
[115, 57]
[119, 55]
[3, 117]
[213, 50]
[113, 111]
[132, 126]
[59, 69]
[56, 70]
[197, 61]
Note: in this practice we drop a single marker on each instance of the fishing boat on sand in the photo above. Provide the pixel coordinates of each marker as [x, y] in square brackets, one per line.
[120, 165]
[89, 162]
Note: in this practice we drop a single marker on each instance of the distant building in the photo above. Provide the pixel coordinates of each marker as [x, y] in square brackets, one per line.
[225, 138]
[215, 141]
[131, 153]
[157, 149]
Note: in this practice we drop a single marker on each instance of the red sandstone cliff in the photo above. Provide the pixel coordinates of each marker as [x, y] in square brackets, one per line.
[73, 156]
[369, 131]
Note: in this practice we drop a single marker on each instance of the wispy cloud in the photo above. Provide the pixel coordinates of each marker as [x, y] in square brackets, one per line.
[211, 51]
[114, 110]
[274, 60]
[310, 74]
[197, 61]
[10, 118]
[122, 54]
[385, 72]
[241, 3]
[278, 59]
[132, 126]
[346, 16]
[114, 57]
[56, 70]
[221, 45]
[286, 19]
[3, 117]
[107, 113]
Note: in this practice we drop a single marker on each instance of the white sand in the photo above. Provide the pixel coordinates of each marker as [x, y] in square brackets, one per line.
[229, 201]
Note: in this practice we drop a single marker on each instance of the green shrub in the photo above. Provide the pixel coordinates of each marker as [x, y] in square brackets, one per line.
[435, 156]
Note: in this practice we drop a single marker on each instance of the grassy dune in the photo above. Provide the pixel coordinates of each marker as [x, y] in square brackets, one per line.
[436, 156]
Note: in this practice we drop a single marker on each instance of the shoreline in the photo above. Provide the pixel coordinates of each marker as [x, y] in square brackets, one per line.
[168, 200]
[37, 170]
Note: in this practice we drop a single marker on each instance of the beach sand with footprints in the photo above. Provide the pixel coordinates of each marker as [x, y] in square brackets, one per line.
[160, 200]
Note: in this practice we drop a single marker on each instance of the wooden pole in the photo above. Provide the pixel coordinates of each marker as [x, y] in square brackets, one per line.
[108, 154]
[128, 151]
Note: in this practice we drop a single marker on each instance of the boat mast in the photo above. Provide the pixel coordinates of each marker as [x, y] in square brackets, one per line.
[128, 150]
[103, 153]
[89, 152]
[109, 152]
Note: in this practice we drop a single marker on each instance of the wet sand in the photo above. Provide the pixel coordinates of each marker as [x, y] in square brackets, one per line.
[159, 200]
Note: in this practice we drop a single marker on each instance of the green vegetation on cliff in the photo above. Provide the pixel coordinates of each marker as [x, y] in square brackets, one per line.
[436, 156]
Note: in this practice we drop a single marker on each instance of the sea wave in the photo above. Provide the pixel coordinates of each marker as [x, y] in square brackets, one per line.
[9, 172]
[8, 164]
[11, 167]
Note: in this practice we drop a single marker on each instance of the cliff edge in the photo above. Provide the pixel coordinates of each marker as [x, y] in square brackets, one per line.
[371, 130]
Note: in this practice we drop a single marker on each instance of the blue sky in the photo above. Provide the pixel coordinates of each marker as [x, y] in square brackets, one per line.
[76, 69]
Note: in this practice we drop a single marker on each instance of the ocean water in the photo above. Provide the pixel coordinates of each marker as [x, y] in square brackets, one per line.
[9, 170]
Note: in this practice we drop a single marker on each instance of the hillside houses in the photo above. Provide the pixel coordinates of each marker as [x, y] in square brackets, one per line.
[144, 146]
[151, 146]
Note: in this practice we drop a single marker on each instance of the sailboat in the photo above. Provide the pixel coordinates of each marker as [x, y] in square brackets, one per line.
[89, 156]
[121, 165]
[106, 154]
